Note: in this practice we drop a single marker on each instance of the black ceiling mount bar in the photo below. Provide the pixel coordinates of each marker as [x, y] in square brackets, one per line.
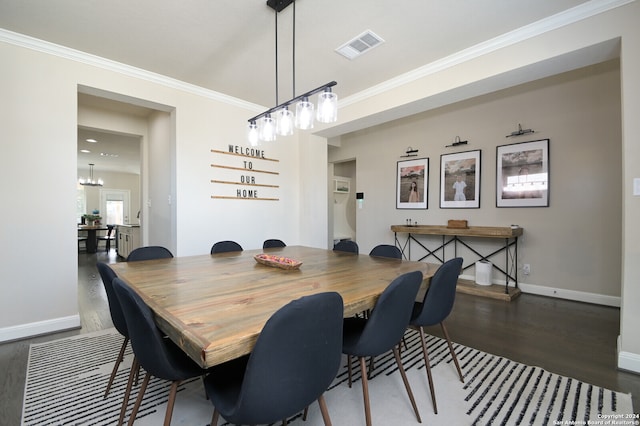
[290, 101]
[279, 5]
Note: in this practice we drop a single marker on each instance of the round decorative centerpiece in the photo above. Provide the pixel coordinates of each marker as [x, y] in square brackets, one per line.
[277, 261]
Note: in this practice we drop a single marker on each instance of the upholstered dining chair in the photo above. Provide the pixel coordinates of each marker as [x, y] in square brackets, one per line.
[117, 317]
[158, 356]
[273, 243]
[149, 253]
[434, 309]
[225, 246]
[386, 250]
[108, 237]
[347, 246]
[295, 359]
[382, 331]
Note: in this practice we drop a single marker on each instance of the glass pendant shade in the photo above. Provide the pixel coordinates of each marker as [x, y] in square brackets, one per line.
[304, 114]
[327, 106]
[284, 122]
[267, 128]
[252, 133]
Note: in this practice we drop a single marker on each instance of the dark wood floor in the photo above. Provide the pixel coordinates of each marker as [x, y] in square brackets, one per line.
[569, 338]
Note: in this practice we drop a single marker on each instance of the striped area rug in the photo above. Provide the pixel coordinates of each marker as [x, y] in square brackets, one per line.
[66, 380]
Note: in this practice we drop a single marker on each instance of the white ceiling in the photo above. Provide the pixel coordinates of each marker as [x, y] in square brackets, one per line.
[228, 45]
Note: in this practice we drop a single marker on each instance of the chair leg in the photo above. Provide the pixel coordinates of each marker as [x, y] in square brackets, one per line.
[324, 411]
[365, 390]
[115, 366]
[171, 402]
[136, 406]
[453, 353]
[134, 367]
[427, 365]
[214, 418]
[406, 382]
[349, 364]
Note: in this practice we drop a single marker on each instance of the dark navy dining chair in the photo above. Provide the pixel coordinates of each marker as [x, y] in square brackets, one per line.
[382, 331]
[117, 317]
[434, 309]
[157, 355]
[347, 246]
[225, 246]
[294, 360]
[149, 253]
[386, 250]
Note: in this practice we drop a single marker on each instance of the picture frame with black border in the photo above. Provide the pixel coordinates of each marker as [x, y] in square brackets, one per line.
[412, 184]
[460, 180]
[522, 174]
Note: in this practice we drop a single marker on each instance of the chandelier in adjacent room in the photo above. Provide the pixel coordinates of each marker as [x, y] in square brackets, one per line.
[90, 181]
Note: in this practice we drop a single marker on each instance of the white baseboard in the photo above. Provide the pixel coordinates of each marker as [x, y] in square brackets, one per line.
[24, 331]
[628, 360]
[560, 293]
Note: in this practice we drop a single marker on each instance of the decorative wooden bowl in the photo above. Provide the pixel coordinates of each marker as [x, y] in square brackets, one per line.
[277, 261]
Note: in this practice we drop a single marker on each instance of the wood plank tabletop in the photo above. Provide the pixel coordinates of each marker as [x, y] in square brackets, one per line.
[471, 231]
[214, 306]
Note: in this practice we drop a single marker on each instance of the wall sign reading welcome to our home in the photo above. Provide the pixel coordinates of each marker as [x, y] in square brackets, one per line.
[246, 174]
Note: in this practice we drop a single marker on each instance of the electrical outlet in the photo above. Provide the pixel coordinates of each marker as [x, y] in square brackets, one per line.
[526, 269]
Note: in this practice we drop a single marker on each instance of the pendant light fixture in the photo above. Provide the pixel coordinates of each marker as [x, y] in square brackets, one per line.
[263, 127]
[90, 181]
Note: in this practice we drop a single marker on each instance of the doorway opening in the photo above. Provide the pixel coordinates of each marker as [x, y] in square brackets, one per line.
[343, 198]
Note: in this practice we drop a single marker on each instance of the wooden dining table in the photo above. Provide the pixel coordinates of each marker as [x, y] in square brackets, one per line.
[214, 306]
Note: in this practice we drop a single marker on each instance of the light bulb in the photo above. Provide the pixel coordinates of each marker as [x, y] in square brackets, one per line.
[304, 114]
[284, 122]
[267, 128]
[327, 106]
[252, 133]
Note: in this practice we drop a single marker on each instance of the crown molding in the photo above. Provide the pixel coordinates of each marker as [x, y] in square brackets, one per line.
[43, 46]
[570, 16]
[559, 20]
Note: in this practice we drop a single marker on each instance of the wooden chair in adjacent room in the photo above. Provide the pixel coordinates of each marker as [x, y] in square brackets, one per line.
[382, 332]
[295, 359]
[108, 237]
[82, 238]
[434, 309]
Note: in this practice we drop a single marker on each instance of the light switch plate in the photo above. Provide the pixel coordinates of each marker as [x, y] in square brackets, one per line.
[636, 186]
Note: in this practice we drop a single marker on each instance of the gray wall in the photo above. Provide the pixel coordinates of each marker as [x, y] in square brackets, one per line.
[573, 246]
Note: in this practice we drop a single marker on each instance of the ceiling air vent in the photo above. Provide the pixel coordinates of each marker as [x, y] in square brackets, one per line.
[359, 45]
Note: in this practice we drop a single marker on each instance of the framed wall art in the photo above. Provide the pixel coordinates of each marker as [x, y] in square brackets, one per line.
[522, 174]
[460, 180]
[412, 184]
[341, 185]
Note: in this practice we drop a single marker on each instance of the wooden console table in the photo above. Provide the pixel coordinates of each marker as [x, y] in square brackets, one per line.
[457, 236]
